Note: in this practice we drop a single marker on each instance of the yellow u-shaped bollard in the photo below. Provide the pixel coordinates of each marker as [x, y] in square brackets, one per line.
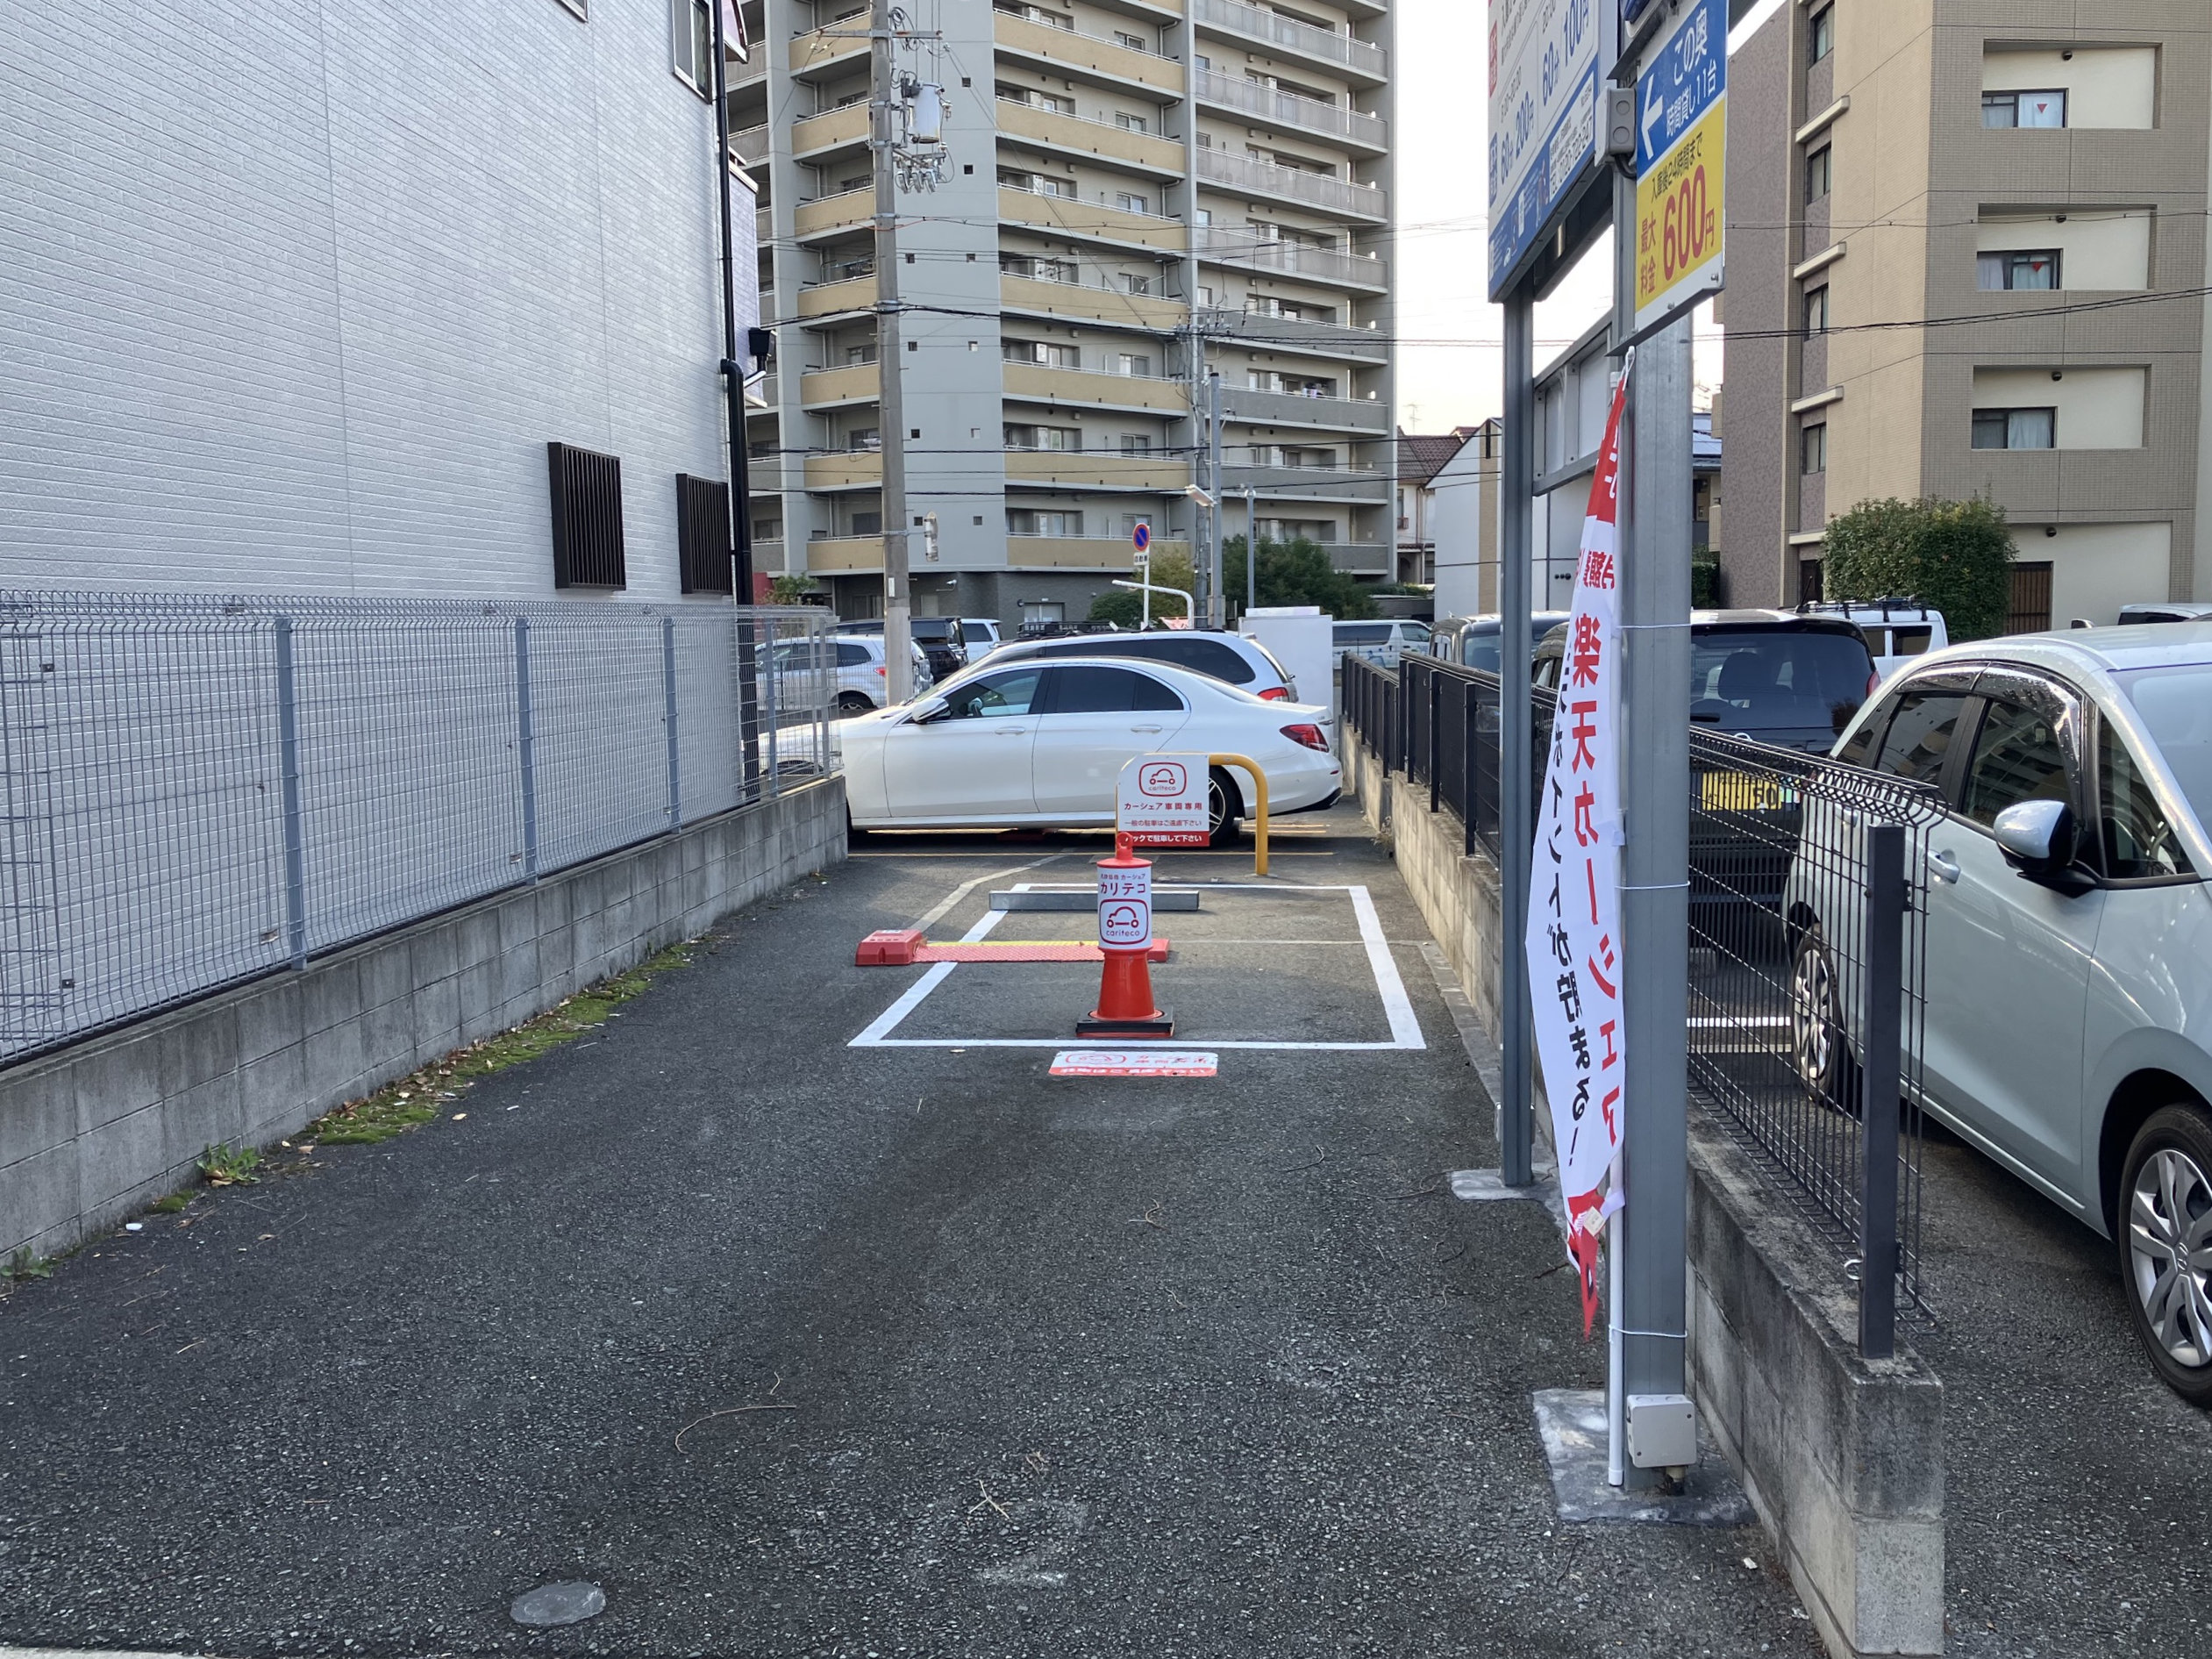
[1259, 822]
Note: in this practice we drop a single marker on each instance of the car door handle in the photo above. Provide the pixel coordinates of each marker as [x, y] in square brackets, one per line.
[1943, 867]
[1145, 728]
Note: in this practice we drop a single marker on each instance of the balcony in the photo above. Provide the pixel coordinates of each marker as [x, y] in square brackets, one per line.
[1329, 265]
[752, 145]
[1289, 111]
[1108, 305]
[1070, 215]
[827, 215]
[1095, 469]
[1293, 409]
[1101, 140]
[828, 556]
[1363, 558]
[1359, 59]
[1079, 552]
[768, 557]
[855, 470]
[1359, 486]
[832, 130]
[1038, 383]
[1290, 333]
[835, 48]
[1071, 54]
[832, 299]
[1291, 184]
[827, 387]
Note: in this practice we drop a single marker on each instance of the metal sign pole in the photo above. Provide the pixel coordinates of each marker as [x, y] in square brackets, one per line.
[1516, 815]
[1650, 1311]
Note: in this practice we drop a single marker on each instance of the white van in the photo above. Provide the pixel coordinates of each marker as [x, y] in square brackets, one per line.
[1381, 643]
[1897, 630]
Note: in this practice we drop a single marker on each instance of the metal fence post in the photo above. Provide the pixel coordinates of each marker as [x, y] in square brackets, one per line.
[1879, 1092]
[1468, 704]
[668, 719]
[1436, 707]
[770, 681]
[288, 745]
[526, 750]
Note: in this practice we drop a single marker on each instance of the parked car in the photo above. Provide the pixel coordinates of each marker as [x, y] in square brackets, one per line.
[1472, 641]
[1776, 675]
[857, 662]
[2068, 1021]
[2164, 610]
[981, 636]
[940, 637]
[1043, 741]
[1896, 630]
[1230, 658]
[1381, 643]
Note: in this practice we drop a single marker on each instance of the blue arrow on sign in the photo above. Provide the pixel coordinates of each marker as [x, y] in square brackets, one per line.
[1680, 78]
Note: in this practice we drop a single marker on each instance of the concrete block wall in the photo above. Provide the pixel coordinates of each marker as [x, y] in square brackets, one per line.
[1841, 1457]
[94, 1133]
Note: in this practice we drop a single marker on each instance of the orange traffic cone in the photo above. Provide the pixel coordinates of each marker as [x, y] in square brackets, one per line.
[1126, 1006]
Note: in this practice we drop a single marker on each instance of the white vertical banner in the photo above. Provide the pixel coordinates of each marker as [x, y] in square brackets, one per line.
[1573, 923]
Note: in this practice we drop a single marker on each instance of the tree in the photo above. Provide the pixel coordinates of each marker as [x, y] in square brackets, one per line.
[1954, 555]
[1295, 572]
[794, 591]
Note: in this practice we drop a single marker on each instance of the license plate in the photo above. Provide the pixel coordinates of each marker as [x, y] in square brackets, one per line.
[1743, 792]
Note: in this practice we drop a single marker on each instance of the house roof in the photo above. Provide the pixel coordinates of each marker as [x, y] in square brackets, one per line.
[1422, 456]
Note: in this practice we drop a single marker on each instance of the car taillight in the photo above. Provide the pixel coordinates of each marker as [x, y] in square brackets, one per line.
[1873, 680]
[881, 670]
[1309, 736]
[1276, 694]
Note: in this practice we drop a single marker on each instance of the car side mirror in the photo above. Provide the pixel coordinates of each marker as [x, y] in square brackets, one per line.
[2036, 837]
[929, 708]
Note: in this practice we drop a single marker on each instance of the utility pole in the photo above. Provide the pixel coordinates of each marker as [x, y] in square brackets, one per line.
[898, 604]
[1216, 605]
[734, 357]
[1200, 515]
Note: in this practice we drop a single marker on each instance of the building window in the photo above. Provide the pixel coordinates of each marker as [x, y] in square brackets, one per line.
[1029, 521]
[1129, 202]
[1130, 520]
[587, 518]
[867, 524]
[1037, 270]
[1041, 352]
[1809, 582]
[1034, 14]
[862, 437]
[1035, 99]
[2023, 109]
[1129, 122]
[1817, 310]
[691, 29]
[1820, 35]
[1135, 443]
[2037, 268]
[2016, 428]
[702, 535]
[1133, 283]
[1065, 439]
[1134, 42]
[1137, 363]
[1820, 173]
[1812, 449]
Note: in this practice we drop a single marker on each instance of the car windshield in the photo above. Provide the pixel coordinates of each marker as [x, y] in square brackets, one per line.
[1745, 680]
[1480, 651]
[2176, 708]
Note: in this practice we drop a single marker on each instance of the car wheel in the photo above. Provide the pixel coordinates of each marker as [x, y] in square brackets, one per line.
[1819, 1045]
[2165, 1238]
[1223, 803]
[851, 703]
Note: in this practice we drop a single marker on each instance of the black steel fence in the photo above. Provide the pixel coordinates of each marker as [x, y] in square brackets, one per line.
[1807, 992]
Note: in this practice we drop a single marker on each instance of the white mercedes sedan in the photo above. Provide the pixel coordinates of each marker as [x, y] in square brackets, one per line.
[1043, 743]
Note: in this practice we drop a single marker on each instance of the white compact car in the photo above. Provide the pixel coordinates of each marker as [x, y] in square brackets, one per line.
[2068, 939]
[1381, 643]
[1042, 742]
[858, 664]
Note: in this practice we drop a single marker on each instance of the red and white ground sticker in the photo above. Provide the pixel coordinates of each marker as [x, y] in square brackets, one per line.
[1133, 1063]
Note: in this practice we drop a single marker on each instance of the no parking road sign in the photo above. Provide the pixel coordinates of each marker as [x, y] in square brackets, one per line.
[1161, 801]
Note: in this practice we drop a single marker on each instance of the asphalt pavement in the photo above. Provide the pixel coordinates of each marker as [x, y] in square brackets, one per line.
[798, 1347]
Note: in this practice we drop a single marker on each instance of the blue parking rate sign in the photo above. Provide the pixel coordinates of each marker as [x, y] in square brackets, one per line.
[1684, 78]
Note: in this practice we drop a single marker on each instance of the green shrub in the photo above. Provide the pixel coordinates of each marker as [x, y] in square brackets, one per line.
[1955, 556]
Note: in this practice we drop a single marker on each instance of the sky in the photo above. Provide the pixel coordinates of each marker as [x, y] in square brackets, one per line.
[1450, 335]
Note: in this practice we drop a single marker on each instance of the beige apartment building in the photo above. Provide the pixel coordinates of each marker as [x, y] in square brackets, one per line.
[1135, 189]
[1951, 222]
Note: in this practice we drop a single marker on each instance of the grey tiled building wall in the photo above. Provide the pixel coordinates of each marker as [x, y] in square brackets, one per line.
[296, 291]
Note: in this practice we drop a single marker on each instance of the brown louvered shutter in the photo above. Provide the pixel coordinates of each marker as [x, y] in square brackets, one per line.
[587, 518]
[702, 534]
[2029, 612]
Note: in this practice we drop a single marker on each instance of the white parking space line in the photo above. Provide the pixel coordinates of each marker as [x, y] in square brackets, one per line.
[1405, 1027]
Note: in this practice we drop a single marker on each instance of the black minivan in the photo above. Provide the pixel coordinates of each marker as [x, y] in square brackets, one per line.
[1775, 675]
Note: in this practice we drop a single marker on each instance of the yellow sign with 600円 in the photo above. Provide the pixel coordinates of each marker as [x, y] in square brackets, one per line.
[1680, 215]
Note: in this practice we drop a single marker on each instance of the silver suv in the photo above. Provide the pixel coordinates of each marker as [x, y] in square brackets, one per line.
[2068, 934]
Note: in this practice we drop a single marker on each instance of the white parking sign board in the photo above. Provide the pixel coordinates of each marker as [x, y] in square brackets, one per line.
[1161, 801]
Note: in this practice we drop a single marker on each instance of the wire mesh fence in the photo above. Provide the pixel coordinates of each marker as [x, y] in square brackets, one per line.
[197, 789]
[1808, 996]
